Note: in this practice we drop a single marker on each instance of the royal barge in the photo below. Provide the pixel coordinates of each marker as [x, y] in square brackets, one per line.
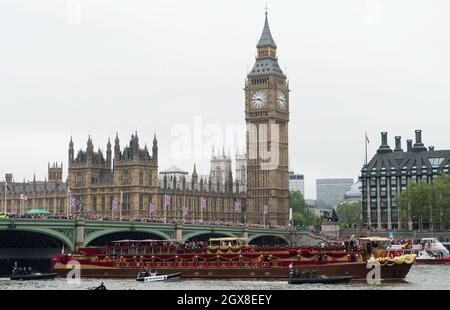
[228, 258]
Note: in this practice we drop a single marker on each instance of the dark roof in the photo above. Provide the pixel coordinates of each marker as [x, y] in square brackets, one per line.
[97, 157]
[266, 37]
[265, 66]
[130, 153]
[396, 161]
[28, 187]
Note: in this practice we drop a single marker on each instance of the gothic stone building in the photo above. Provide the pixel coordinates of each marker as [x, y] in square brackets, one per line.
[130, 174]
[133, 173]
[49, 194]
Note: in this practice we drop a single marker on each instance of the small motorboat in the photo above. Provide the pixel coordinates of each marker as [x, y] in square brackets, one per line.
[23, 273]
[33, 276]
[314, 278]
[145, 276]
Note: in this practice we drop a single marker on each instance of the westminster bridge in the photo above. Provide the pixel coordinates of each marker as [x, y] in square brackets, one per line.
[42, 237]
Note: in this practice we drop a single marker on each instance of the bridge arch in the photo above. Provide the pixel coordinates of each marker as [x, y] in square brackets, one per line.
[272, 239]
[111, 231]
[65, 240]
[205, 235]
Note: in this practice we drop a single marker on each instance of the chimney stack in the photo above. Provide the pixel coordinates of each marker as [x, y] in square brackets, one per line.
[419, 146]
[409, 145]
[431, 148]
[384, 147]
[384, 138]
[398, 144]
[418, 136]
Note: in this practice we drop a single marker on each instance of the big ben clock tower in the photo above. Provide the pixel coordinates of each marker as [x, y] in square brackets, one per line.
[267, 118]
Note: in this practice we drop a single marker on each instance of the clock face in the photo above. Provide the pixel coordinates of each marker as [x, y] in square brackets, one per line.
[258, 99]
[281, 99]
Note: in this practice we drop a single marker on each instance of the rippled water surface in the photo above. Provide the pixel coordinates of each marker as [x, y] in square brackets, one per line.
[420, 277]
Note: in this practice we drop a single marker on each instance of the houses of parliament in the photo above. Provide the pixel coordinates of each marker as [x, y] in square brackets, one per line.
[129, 172]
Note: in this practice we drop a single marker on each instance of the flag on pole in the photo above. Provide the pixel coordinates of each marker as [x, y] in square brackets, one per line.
[266, 210]
[185, 211]
[203, 203]
[365, 146]
[73, 202]
[167, 200]
[23, 197]
[151, 208]
[237, 206]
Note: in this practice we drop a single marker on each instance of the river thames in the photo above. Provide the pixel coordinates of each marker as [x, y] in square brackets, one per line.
[420, 277]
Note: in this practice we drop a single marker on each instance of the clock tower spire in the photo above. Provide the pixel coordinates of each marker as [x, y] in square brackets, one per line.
[267, 118]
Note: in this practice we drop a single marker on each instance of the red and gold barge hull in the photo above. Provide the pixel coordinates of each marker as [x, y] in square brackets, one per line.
[358, 270]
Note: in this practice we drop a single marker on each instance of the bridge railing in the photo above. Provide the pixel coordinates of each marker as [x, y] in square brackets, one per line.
[145, 219]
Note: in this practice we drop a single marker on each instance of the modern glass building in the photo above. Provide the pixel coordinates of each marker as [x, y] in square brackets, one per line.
[389, 172]
[332, 191]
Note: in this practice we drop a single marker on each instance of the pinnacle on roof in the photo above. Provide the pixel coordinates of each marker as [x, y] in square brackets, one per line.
[266, 37]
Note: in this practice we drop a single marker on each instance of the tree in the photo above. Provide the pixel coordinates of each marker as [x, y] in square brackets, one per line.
[350, 214]
[426, 204]
[301, 214]
[415, 204]
[441, 202]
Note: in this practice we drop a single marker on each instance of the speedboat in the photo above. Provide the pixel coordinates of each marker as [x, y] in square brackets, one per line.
[321, 279]
[314, 278]
[21, 273]
[33, 276]
[431, 257]
[145, 276]
[431, 251]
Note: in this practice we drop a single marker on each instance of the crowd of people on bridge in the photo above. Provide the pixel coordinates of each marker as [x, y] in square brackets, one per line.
[142, 219]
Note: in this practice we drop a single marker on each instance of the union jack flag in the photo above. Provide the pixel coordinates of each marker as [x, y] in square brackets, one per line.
[115, 204]
[152, 208]
[203, 203]
[237, 207]
[73, 202]
[185, 211]
[23, 197]
[167, 200]
[266, 210]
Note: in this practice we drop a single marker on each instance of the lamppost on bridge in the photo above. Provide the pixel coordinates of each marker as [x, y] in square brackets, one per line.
[245, 216]
[80, 210]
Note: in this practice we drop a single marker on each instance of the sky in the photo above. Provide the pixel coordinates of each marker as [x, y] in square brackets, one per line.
[178, 68]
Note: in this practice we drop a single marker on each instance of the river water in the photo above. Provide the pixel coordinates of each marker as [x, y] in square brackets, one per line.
[420, 277]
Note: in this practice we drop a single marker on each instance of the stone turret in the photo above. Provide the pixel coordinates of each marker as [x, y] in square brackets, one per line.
[55, 173]
[155, 150]
[117, 148]
[108, 154]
